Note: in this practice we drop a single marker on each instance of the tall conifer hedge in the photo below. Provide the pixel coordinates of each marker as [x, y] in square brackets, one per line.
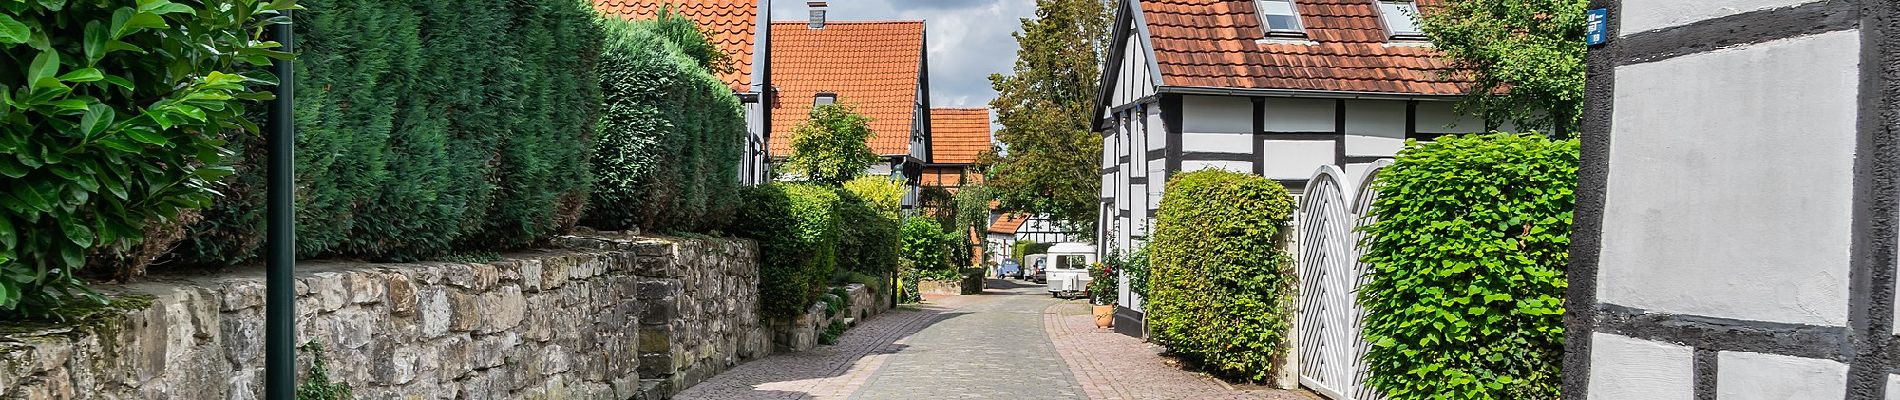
[424, 127]
[671, 133]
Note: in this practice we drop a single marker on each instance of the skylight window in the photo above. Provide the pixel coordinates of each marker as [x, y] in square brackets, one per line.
[1401, 19]
[1279, 17]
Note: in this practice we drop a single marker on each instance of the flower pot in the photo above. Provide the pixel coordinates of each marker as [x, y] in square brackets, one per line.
[1104, 316]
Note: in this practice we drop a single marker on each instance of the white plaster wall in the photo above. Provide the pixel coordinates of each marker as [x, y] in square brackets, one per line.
[1136, 81]
[1136, 146]
[1646, 15]
[1216, 114]
[1893, 387]
[1231, 143]
[1374, 127]
[1635, 369]
[1157, 180]
[1756, 376]
[1157, 132]
[1300, 115]
[1443, 117]
[1137, 203]
[1729, 191]
[1296, 159]
[1234, 166]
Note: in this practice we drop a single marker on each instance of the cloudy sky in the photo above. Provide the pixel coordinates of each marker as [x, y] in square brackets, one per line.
[968, 39]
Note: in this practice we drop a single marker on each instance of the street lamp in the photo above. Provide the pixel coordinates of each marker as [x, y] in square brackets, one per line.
[280, 354]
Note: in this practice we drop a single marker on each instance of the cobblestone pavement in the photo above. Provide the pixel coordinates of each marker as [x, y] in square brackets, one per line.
[1012, 342]
[1112, 366]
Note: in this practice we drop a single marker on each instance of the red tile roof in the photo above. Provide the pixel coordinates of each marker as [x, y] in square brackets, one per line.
[729, 24]
[873, 66]
[958, 135]
[1008, 224]
[1213, 43]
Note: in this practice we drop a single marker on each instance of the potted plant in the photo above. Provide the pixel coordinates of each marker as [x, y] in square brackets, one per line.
[1102, 291]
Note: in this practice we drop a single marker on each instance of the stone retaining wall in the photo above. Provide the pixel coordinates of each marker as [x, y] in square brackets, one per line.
[609, 317]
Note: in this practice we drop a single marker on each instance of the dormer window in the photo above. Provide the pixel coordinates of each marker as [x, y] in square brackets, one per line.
[824, 99]
[1279, 17]
[1401, 19]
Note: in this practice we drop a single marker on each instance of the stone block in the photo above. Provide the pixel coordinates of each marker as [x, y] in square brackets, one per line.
[236, 295]
[503, 309]
[368, 287]
[401, 294]
[435, 311]
[465, 311]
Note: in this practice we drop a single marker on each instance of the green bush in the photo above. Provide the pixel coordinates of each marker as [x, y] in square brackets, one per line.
[1025, 248]
[868, 243]
[797, 228]
[1104, 285]
[671, 134]
[1223, 283]
[1467, 261]
[115, 118]
[886, 194]
[972, 222]
[1133, 266]
[926, 246]
[426, 127]
[832, 333]
[832, 147]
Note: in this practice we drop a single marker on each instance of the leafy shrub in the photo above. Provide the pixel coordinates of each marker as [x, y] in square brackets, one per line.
[833, 146]
[1467, 264]
[832, 333]
[671, 134]
[1223, 284]
[972, 222]
[426, 127]
[114, 117]
[1104, 285]
[1025, 248]
[886, 194]
[926, 246]
[844, 296]
[797, 229]
[832, 304]
[868, 242]
[1133, 266]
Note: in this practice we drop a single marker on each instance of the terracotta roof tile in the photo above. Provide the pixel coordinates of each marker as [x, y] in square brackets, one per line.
[958, 135]
[873, 66]
[1217, 43]
[729, 24]
[1008, 224]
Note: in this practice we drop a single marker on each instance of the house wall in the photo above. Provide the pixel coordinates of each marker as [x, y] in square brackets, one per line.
[1736, 225]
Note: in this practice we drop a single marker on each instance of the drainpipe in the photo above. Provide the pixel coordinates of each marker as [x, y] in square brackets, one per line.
[280, 354]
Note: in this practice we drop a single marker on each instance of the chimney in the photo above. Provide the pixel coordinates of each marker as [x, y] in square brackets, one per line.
[817, 14]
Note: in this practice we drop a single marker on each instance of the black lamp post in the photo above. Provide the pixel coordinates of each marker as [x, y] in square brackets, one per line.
[280, 354]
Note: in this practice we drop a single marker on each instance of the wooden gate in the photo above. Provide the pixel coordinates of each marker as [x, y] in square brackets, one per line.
[1331, 349]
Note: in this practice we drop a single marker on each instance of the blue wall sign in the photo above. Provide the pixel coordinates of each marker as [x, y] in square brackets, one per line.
[1599, 22]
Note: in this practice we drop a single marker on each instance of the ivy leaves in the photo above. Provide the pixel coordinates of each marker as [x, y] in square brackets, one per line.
[1467, 257]
[113, 123]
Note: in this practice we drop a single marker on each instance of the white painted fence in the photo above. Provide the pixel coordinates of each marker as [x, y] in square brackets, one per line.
[1331, 349]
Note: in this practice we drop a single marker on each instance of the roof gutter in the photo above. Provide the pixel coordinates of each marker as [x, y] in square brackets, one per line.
[1321, 94]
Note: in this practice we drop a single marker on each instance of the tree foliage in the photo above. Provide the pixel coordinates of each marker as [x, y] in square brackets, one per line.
[1526, 59]
[1467, 254]
[833, 146]
[1222, 283]
[671, 133]
[1051, 160]
[799, 227]
[925, 245]
[425, 127]
[113, 116]
[886, 194]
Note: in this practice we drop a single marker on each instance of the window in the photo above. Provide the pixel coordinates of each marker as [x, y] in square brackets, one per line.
[1279, 17]
[1401, 18]
[824, 99]
[1072, 262]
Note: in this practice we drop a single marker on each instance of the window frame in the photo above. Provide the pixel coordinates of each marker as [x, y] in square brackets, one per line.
[1390, 32]
[1260, 13]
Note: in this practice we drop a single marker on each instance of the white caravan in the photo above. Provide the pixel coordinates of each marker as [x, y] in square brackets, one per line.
[1069, 268]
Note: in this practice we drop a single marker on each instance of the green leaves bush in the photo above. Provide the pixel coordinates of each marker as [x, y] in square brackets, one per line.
[833, 146]
[798, 230]
[868, 240]
[113, 117]
[426, 127]
[925, 245]
[1467, 261]
[1223, 283]
[671, 134]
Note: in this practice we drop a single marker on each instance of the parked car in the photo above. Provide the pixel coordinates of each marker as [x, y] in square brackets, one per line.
[1068, 274]
[1010, 269]
[1037, 269]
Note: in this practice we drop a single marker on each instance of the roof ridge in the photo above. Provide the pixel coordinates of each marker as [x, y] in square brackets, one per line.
[853, 22]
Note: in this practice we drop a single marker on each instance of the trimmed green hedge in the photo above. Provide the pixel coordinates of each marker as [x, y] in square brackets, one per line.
[1222, 282]
[112, 124]
[925, 245]
[868, 243]
[798, 230]
[425, 127]
[1467, 261]
[671, 133]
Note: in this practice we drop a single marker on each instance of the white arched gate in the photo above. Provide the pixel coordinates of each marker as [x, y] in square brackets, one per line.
[1331, 349]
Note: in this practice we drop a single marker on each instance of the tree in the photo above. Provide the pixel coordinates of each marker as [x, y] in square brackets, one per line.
[833, 146]
[1050, 163]
[1525, 59]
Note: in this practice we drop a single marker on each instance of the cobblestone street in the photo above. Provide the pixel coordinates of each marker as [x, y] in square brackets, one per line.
[1012, 342]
